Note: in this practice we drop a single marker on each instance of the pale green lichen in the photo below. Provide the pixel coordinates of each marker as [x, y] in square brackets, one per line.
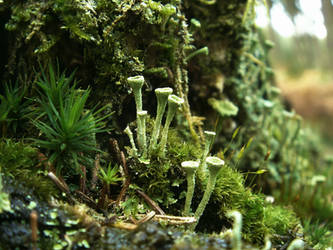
[142, 139]
[190, 168]
[162, 95]
[174, 102]
[214, 165]
[236, 230]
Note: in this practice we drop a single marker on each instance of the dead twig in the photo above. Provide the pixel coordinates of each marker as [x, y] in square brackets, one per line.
[86, 199]
[175, 220]
[61, 185]
[166, 219]
[146, 218]
[45, 162]
[124, 225]
[95, 171]
[83, 178]
[150, 202]
[127, 179]
[34, 228]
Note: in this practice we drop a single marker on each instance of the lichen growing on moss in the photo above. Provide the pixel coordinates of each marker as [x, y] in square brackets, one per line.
[109, 41]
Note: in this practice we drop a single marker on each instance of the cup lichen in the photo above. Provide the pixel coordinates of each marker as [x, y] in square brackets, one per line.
[141, 133]
[174, 102]
[190, 168]
[209, 140]
[214, 165]
[129, 133]
[136, 83]
[237, 229]
[162, 95]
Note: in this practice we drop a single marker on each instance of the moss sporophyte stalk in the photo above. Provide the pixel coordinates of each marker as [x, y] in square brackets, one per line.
[214, 164]
[190, 168]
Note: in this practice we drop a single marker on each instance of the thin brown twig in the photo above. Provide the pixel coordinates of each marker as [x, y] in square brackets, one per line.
[34, 228]
[168, 219]
[146, 218]
[150, 202]
[86, 199]
[61, 185]
[124, 225]
[114, 148]
[83, 178]
[127, 179]
[96, 168]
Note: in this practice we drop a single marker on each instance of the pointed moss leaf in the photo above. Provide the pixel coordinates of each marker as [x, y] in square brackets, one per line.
[266, 103]
[223, 107]
[249, 143]
[261, 171]
[235, 133]
[241, 152]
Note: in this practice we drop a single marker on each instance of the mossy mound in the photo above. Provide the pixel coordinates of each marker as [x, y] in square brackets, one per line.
[20, 161]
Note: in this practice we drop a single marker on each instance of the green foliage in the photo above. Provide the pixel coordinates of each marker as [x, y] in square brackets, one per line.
[318, 234]
[69, 130]
[4, 198]
[231, 194]
[163, 179]
[14, 109]
[223, 107]
[55, 85]
[19, 161]
[110, 177]
[280, 220]
[156, 42]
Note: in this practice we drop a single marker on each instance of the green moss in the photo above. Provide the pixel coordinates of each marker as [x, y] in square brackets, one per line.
[19, 160]
[109, 41]
[163, 179]
[280, 220]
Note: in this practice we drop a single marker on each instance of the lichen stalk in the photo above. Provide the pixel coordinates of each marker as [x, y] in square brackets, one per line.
[190, 168]
[214, 165]
[237, 230]
[296, 244]
[130, 136]
[136, 83]
[209, 140]
[173, 103]
[141, 133]
[162, 95]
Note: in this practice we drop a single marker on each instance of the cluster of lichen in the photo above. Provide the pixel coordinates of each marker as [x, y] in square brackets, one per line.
[167, 41]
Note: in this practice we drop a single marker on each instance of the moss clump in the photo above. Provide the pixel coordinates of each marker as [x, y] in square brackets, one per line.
[163, 179]
[259, 219]
[20, 161]
[280, 220]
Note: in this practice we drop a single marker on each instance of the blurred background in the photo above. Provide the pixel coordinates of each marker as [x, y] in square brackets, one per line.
[302, 31]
